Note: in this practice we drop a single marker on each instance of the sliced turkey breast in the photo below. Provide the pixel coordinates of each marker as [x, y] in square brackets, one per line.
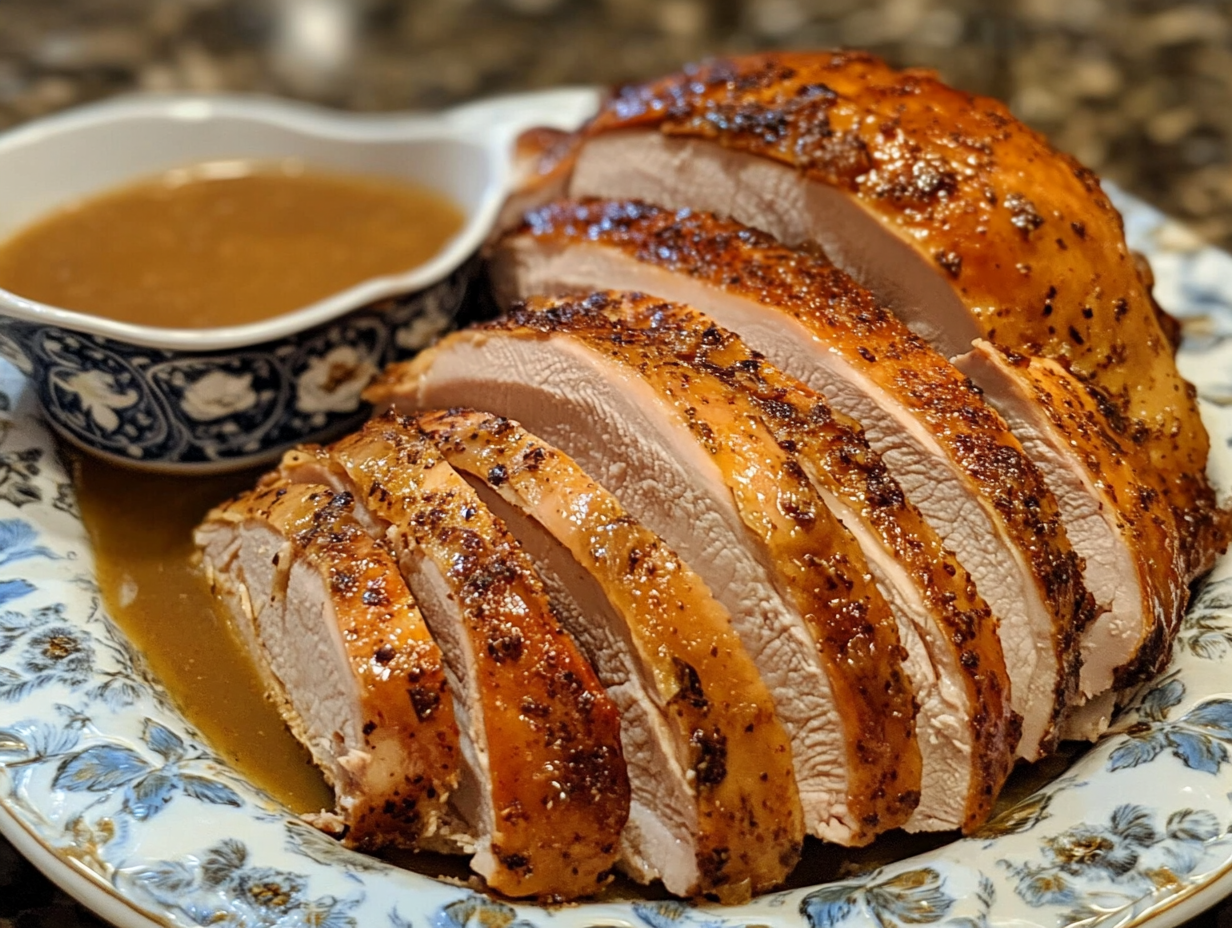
[966, 223]
[713, 482]
[347, 656]
[548, 795]
[714, 807]
[1139, 580]
[953, 455]
[967, 731]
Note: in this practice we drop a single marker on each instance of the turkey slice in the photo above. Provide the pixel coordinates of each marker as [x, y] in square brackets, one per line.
[1054, 416]
[714, 806]
[966, 728]
[548, 796]
[346, 656]
[953, 454]
[718, 488]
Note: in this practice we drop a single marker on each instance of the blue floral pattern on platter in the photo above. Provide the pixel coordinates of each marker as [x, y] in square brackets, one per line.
[180, 408]
[96, 763]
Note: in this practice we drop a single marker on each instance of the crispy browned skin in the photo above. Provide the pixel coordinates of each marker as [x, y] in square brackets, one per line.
[410, 733]
[837, 457]
[855, 633]
[1033, 246]
[750, 826]
[1141, 516]
[848, 319]
[558, 785]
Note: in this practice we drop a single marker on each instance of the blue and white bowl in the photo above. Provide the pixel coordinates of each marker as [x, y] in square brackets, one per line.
[200, 400]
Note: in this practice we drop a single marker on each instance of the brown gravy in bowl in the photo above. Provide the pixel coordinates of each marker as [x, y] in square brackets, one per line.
[225, 243]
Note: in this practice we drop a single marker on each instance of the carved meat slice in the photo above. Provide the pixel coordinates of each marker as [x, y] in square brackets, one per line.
[547, 793]
[962, 220]
[953, 455]
[346, 655]
[716, 485]
[714, 806]
[1054, 415]
[967, 731]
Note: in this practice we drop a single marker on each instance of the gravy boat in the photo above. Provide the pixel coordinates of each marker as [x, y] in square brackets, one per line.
[213, 399]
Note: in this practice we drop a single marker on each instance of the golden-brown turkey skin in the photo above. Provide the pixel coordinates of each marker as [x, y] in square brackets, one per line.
[560, 795]
[1140, 515]
[410, 734]
[750, 826]
[848, 319]
[1033, 247]
[838, 458]
[824, 569]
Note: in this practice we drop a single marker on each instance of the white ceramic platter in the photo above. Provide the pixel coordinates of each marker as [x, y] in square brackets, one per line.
[107, 788]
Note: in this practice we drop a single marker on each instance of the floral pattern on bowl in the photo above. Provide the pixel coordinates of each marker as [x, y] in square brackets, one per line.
[211, 410]
[98, 768]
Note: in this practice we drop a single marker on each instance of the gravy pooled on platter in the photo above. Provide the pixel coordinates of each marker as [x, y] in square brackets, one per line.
[151, 585]
[225, 243]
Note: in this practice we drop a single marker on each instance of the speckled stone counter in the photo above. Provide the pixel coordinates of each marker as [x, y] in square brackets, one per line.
[1140, 90]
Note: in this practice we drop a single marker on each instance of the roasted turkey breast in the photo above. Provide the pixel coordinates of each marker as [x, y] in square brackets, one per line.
[548, 794]
[966, 223]
[714, 807]
[1055, 416]
[717, 486]
[967, 731]
[831, 457]
[953, 455]
[346, 654]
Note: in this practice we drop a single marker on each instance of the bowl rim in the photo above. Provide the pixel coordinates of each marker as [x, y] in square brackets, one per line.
[490, 125]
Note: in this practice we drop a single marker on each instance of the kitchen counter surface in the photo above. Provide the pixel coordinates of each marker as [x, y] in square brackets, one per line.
[1139, 90]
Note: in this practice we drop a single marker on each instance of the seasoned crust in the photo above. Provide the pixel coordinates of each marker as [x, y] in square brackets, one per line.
[1033, 247]
[855, 633]
[558, 785]
[749, 827]
[394, 793]
[741, 260]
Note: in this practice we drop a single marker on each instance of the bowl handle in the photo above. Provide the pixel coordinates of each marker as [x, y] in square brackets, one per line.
[498, 121]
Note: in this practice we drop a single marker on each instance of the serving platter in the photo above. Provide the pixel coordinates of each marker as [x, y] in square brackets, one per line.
[108, 789]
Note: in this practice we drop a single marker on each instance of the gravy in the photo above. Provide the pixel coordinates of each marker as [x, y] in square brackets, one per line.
[225, 243]
[141, 530]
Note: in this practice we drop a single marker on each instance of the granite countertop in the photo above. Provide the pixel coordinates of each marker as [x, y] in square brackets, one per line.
[1139, 90]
